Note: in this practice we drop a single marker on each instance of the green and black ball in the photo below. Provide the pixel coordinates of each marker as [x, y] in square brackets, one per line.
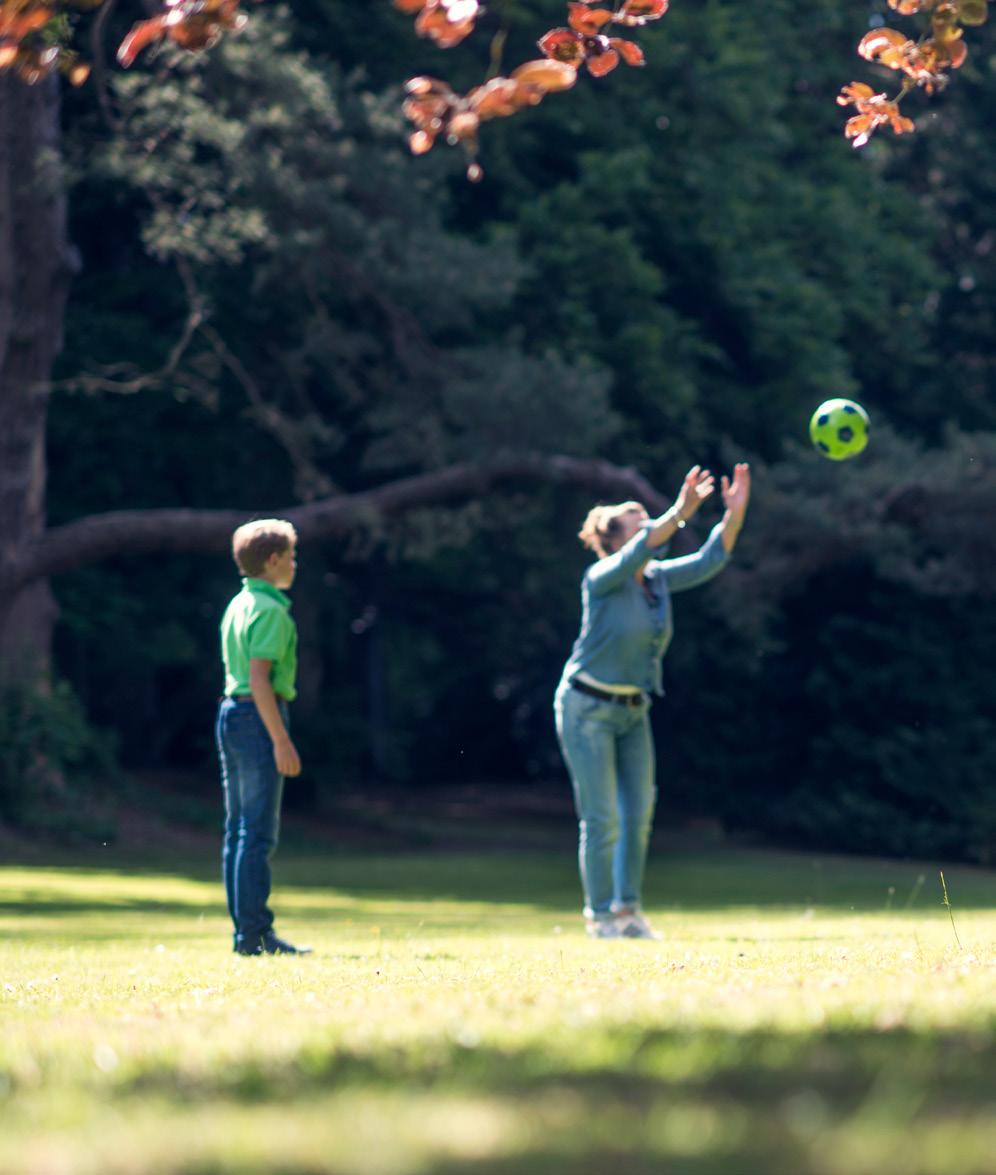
[839, 429]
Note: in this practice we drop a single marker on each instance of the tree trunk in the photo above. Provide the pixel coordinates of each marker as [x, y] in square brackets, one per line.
[35, 268]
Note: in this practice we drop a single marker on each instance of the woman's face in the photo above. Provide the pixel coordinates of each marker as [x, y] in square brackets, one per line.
[627, 524]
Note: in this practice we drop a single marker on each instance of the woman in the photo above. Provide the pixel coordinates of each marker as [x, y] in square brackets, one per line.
[602, 702]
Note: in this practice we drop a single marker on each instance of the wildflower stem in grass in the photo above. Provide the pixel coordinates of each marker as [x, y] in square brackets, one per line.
[950, 911]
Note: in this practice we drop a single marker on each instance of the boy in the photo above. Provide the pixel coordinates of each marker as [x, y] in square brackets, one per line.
[259, 651]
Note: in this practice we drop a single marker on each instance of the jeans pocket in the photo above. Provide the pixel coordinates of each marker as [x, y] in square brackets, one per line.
[595, 709]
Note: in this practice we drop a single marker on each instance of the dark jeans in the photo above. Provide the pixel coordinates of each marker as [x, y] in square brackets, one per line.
[253, 790]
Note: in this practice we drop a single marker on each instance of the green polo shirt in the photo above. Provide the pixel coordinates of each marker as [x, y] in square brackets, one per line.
[257, 623]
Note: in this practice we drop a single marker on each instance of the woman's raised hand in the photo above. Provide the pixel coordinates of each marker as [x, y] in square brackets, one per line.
[697, 486]
[736, 493]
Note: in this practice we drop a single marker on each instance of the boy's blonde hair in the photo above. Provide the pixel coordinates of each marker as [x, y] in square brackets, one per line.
[601, 525]
[254, 542]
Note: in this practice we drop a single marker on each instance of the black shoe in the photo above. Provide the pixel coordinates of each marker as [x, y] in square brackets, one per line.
[249, 948]
[272, 945]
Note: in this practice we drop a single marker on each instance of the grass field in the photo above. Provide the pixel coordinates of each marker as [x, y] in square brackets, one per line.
[802, 1015]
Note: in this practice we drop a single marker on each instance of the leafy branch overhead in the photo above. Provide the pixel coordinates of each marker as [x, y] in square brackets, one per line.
[191, 24]
[36, 36]
[438, 112]
[923, 63]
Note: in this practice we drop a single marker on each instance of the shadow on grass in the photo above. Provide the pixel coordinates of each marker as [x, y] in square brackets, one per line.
[632, 1107]
[43, 907]
[715, 879]
[845, 1068]
[697, 881]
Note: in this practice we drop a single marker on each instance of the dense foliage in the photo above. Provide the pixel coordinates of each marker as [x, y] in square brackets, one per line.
[673, 265]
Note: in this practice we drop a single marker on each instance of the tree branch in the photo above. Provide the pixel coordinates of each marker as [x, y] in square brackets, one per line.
[309, 479]
[196, 316]
[98, 66]
[99, 536]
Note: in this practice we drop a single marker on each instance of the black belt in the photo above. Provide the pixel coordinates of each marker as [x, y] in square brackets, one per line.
[606, 696]
[247, 698]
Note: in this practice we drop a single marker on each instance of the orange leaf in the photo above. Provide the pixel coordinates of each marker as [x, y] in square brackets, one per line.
[855, 92]
[884, 44]
[18, 26]
[860, 128]
[546, 74]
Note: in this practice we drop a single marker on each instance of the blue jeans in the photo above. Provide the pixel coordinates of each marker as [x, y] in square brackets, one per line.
[609, 752]
[253, 791]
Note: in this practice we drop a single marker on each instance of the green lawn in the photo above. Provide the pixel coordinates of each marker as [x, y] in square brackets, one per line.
[802, 1015]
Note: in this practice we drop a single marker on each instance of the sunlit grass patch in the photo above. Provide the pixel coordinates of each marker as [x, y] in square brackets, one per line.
[454, 1017]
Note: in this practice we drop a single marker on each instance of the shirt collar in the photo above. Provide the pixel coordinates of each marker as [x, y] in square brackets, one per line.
[250, 583]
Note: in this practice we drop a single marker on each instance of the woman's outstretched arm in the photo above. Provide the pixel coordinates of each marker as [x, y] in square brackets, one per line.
[690, 571]
[612, 570]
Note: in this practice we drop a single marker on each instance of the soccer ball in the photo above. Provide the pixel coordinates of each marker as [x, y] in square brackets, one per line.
[839, 429]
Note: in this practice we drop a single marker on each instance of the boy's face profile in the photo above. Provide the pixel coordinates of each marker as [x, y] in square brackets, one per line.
[281, 569]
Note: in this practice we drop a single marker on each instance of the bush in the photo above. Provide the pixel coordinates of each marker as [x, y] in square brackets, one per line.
[58, 775]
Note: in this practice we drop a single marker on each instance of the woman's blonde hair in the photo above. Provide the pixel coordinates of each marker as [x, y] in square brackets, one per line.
[601, 525]
[254, 543]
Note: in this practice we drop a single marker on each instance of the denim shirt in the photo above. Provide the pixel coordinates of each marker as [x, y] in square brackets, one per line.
[625, 630]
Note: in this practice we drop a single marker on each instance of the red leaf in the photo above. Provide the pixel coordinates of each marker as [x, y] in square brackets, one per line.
[637, 12]
[142, 34]
[602, 63]
[434, 22]
[629, 51]
[498, 98]
[586, 20]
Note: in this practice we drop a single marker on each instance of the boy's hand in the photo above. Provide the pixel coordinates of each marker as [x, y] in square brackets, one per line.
[285, 756]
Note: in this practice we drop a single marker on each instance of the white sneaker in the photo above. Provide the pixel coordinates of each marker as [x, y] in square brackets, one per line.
[631, 923]
[603, 928]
